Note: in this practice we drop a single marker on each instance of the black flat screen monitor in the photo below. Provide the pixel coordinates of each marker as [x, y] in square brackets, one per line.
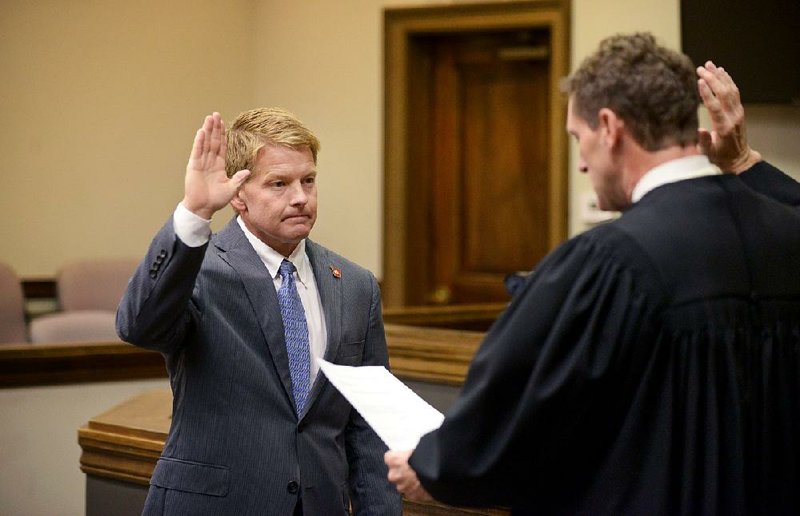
[758, 42]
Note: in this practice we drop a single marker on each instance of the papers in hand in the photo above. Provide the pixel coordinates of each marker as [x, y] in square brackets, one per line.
[396, 413]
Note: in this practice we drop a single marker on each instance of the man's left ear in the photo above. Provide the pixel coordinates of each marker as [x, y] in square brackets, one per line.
[611, 126]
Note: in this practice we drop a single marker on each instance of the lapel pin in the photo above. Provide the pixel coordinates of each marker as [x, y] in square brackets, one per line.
[335, 271]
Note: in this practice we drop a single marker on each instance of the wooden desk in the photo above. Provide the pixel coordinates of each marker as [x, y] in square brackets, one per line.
[125, 442]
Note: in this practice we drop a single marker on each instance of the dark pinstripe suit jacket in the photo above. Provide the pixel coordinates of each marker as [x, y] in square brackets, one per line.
[236, 445]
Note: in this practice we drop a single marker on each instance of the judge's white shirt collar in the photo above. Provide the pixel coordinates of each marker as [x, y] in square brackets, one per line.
[673, 171]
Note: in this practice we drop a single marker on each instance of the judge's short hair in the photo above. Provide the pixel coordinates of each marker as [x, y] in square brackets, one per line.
[254, 129]
[652, 88]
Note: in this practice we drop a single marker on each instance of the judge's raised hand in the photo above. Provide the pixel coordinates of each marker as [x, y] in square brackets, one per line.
[404, 477]
[726, 143]
[207, 188]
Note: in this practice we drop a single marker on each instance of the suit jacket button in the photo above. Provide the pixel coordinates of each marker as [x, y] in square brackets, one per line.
[293, 487]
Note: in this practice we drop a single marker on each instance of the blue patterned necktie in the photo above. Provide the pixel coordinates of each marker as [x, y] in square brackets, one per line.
[296, 332]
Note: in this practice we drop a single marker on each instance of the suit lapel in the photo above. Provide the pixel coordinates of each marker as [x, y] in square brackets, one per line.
[330, 294]
[235, 250]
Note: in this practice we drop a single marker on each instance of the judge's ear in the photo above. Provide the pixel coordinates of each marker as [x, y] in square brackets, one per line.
[611, 125]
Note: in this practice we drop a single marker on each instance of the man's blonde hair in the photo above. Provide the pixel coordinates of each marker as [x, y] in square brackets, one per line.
[253, 129]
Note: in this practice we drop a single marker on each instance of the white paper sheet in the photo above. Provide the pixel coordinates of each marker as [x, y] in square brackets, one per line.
[396, 413]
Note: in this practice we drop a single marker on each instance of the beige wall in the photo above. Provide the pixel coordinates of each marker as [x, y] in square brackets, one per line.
[101, 100]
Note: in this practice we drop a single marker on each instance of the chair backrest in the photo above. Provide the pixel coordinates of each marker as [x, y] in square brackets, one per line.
[12, 308]
[74, 326]
[96, 284]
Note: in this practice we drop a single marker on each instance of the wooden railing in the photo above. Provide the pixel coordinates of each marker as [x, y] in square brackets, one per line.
[476, 317]
[422, 346]
[426, 354]
[76, 362]
[432, 355]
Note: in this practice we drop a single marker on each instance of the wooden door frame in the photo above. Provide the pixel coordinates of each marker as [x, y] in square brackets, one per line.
[400, 25]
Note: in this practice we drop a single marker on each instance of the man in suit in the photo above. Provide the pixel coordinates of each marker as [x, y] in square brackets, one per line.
[241, 318]
[650, 365]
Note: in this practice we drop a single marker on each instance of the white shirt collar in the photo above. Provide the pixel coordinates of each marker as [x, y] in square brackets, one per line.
[272, 259]
[673, 171]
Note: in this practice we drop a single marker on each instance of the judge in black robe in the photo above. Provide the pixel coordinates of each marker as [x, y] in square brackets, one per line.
[650, 365]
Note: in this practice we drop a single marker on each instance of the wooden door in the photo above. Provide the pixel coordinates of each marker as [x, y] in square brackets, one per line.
[490, 176]
[482, 186]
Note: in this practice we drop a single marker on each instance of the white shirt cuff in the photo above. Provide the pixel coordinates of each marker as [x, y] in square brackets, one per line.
[192, 229]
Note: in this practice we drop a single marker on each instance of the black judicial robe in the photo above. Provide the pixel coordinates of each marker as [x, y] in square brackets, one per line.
[648, 366]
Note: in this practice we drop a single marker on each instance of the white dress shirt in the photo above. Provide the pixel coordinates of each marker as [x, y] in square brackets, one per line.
[195, 231]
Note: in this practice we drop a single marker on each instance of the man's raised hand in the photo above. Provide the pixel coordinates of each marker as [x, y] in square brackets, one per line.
[726, 143]
[207, 188]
